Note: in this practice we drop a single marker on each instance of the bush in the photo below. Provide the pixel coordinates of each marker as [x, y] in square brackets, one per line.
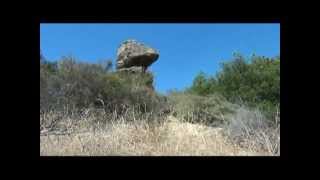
[249, 129]
[203, 85]
[70, 84]
[254, 82]
[48, 75]
[75, 85]
[210, 109]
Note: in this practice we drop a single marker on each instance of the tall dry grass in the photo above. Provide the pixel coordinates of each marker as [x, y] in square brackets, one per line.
[122, 136]
[251, 130]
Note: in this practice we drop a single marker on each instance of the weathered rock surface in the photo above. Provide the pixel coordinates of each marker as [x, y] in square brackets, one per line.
[132, 69]
[135, 56]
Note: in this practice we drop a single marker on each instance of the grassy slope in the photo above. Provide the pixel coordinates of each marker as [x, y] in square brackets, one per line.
[171, 138]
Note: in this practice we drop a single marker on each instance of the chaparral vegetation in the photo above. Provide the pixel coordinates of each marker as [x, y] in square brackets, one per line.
[92, 109]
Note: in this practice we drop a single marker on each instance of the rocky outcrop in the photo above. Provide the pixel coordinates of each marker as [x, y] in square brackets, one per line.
[135, 57]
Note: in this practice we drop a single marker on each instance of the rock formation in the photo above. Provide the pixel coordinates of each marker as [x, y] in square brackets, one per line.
[135, 57]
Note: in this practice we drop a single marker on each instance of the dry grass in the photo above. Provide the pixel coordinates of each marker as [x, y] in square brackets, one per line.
[139, 138]
[248, 128]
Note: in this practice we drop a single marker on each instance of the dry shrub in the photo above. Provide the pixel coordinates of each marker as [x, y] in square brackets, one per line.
[250, 129]
[82, 85]
[141, 138]
[211, 110]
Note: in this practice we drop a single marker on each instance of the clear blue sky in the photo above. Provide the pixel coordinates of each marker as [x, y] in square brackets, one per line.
[185, 49]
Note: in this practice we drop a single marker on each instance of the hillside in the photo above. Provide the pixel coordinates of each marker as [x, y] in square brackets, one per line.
[91, 109]
[172, 138]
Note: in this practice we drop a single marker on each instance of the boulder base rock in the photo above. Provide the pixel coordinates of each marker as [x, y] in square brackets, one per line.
[132, 69]
[135, 56]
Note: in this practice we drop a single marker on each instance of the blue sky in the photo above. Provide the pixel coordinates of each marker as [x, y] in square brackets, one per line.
[185, 49]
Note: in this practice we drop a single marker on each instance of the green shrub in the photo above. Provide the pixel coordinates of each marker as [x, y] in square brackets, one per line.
[253, 82]
[125, 90]
[78, 85]
[48, 75]
[203, 85]
[71, 84]
[210, 109]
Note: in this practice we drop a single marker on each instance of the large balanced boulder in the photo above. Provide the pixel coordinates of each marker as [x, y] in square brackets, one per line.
[135, 56]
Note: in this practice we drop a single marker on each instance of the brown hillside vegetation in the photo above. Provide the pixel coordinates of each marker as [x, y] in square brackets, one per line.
[140, 138]
[90, 110]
